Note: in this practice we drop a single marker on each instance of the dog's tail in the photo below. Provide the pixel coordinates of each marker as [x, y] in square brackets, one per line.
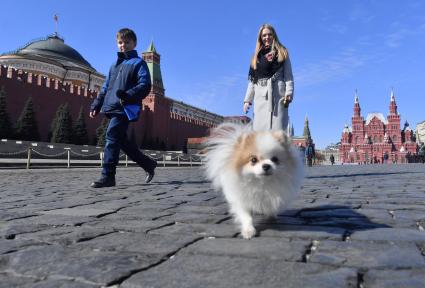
[219, 148]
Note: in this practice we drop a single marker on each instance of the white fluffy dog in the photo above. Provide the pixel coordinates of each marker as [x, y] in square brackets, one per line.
[258, 172]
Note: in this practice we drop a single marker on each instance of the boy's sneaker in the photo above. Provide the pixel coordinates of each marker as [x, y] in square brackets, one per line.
[149, 176]
[103, 182]
[151, 173]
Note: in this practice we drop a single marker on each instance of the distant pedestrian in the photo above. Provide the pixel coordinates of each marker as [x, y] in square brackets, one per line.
[309, 154]
[421, 153]
[385, 158]
[128, 82]
[332, 159]
[271, 84]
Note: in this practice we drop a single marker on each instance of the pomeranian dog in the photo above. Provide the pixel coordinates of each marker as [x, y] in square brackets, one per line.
[258, 172]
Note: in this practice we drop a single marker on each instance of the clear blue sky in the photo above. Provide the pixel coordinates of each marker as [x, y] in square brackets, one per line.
[335, 47]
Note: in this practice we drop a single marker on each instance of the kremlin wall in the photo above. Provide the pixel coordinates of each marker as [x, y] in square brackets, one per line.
[164, 123]
[47, 95]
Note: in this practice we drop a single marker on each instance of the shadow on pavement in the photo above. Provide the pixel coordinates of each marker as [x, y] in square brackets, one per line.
[362, 174]
[337, 219]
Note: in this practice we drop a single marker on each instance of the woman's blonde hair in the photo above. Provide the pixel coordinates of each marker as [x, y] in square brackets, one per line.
[282, 52]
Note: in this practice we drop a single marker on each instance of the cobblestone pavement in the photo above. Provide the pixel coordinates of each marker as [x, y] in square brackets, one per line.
[352, 226]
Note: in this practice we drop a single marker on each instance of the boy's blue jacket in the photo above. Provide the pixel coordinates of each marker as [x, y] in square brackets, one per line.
[130, 74]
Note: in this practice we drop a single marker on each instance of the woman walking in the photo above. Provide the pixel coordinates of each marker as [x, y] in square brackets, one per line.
[271, 84]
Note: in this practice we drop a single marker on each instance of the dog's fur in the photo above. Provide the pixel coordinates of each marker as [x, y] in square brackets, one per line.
[258, 172]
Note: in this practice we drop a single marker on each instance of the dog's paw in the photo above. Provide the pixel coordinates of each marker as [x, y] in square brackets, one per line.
[248, 232]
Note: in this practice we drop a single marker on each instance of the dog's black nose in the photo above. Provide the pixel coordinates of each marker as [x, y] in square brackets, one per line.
[266, 167]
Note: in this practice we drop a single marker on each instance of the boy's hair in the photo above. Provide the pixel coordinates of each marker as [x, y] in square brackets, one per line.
[128, 34]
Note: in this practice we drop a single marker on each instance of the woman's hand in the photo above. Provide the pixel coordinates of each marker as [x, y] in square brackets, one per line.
[92, 114]
[246, 107]
[270, 56]
[286, 100]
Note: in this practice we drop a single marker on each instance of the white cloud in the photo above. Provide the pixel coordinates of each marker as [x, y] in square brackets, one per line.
[210, 95]
[327, 69]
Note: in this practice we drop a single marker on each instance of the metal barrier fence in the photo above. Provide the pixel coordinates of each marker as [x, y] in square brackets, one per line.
[66, 157]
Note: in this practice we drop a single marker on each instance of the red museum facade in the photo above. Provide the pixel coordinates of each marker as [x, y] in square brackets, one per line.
[376, 139]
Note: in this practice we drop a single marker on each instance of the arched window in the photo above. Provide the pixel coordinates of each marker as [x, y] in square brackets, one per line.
[356, 139]
[394, 138]
[374, 139]
[380, 138]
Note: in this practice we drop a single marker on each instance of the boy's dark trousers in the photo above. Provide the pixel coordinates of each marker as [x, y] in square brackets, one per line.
[116, 139]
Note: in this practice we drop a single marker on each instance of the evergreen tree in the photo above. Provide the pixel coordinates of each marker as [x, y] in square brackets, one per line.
[26, 126]
[162, 146]
[62, 132]
[55, 122]
[156, 145]
[81, 136]
[5, 126]
[101, 132]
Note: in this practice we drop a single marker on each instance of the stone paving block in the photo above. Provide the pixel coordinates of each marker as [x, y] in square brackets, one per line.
[280, 220]
[143, 215]
[55, 220]
[140, 243]
[8, 215]
[66, 235]
[186, 271]
[267, 248]
[8, 281]
[196, 218]
[187, 208]
[389, 234]
[306, 232]
[12, 245]
[368, 255]
[127, 225]
[412, 278]
[78, 211]
[394, 207]
[330, 211]
[355, 223]
[86, 265]
[8, 229]
[149, 207]
[412, 214]
[203, 230]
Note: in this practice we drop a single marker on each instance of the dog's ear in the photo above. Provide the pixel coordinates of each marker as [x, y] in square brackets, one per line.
[281, 137]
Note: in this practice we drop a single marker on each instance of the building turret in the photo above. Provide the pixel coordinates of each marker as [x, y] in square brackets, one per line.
[393, 104]
[356, 105]
[393, 128]
[153, 59]
[357, 121]
[306, 133]
[345, 138]
[408, 133]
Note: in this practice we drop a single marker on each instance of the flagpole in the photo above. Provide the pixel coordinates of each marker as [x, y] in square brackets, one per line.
[56, 24]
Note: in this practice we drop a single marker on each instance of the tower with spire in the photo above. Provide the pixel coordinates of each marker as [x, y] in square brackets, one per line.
[357, 121]
[393, 128]
[153, 59]
[306, 132]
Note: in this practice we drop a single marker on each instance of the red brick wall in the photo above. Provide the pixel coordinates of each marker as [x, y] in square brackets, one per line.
[20, 86]
[156, 121]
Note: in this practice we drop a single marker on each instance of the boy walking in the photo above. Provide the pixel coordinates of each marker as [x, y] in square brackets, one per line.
[127, 84]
